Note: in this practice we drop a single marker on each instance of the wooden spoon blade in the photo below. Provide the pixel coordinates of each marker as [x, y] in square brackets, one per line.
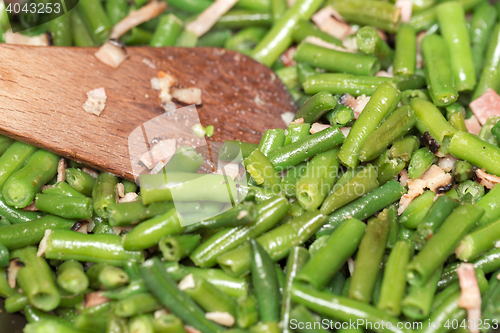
[42, 90]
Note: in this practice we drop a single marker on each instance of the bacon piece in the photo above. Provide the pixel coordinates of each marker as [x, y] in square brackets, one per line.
[317, 127]
[406, 7]
[435, 177]
[287, 57]
[326, 22]
[96, 101]
[470, 298]
[415, 188]
[485, 106]
[486, 179]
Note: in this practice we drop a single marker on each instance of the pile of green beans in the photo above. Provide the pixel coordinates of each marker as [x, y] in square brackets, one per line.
[330, 229]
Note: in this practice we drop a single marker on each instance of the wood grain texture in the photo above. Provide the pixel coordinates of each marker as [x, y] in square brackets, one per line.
[42, 90]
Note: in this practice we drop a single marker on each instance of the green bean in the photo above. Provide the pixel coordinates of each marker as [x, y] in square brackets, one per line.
[438, 71]
[186, 39]
[71, 277]
[243, 214]
[369, 42]
[394, 127]
[408, 95]
[265, 282]
[141, 324]
[470, 190]
[272, 139]
[468, 147]
[269, 211]
[405, 56]
[420, 161]
[164, 288]
[183, 186]
[104, 193]
[276, 242]
[148, 233]
[103, 276]
[479, 241]
[191, 6]
[340, 115]
[67, 207]
[365, 206]
[453, 27]
[382, 15]
[238, 18]
[90, 323]
[279, 38]
[344, 83]
[294, 153]
[16, 236]
[417, 210]
[69, 245]
[262, 171]
[13, 159]
[97, 19]
[174, 248]
[368, 259]
[317, 179]
[136, 305]
[404, 147]
[245, 39]
[5, 143]
[63, 189]
[14, 215]
[364, 182]
[297, 258]
[168, 323]
[337, 61]
[394, 281]
[303, 321]
[486, 133]
[442, 244]
[168, 29]
[116, 10]
[270, 327]
[278, 8]
[129, 213]
[481, 26]
[345, 309]
[37, 281]
[417, 304]
[246, 311]
[288, 184]
[490, 77]
[296, 132]
[60, 29]
[16, 303]
[436, 215]
[374, 112]
[215, 38]
[315, 107]
[328, 260]
[304, 29]
[81, 35]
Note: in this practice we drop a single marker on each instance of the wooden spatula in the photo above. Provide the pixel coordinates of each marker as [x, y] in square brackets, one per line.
[42, 90]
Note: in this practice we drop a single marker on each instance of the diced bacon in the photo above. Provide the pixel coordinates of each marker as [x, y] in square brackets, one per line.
[486, 179]
[317, 127]
[287, 117]
[188, 95]
[190, 329]
[209, 17]
[447, 162]
[20, 39]
[42, 247]
[187, 282]
[485, 106]
[136, 17]
[111, 54]
[406, 7]
[83, 229]
[129, 197]
[435, 177]
[361, 102]
[90, 172]
[230, 169]
[319, 42]
[350, 44]
[470, 297]
[290, 2]
[298, 121]
[12, 270]
[415, 188]
[287, 57]
[61, 170]
[31, 207]
[382, 34]
[350, 265]
[221, 318]
[345, 131]
[473, 126]
[384, 74]
[403, 177]
[93, 299]
[120, 190]
[161, 152]
[326, 22]
[96, 101]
